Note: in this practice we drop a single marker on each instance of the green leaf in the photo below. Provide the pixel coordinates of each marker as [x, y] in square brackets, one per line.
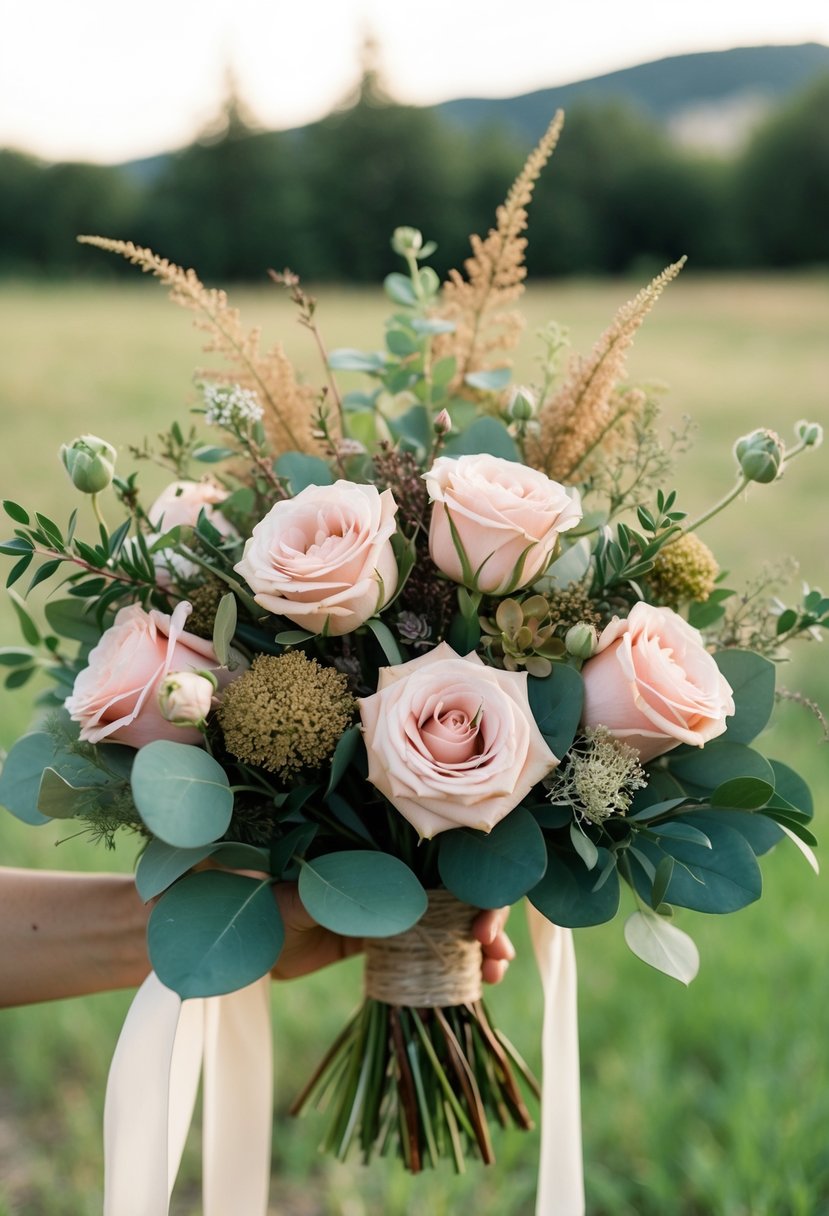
[28, 628]
[293, 637]
[160, 865]
[401, 343]
[19, 569]
[492, 380]
[212, 455]
[584, 846]
[344, 753]
[301, 471]
[348, 360]
[661, 945]
[566, 894]
[661, 881]
[758, 831]
[214, 932]
[296, 841]
[718, 762]
[21, 774]
[413, 427]
[752, 681]
[182, 793]
[386, 639]
[15, 656]
[361, 893]
[400, 289]
[45, 571]
[15, 511]
[19, 677]
[556, 703]
[744, 793]
[490, 870]
[719, 879]
[59, 798]
[484, 435]
[677, 829]
[791, 786]
[224, 626]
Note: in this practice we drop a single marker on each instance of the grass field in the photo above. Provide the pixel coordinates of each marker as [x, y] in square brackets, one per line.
[708, 1102]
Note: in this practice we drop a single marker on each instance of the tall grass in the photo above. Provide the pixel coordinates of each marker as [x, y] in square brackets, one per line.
[708, 1102]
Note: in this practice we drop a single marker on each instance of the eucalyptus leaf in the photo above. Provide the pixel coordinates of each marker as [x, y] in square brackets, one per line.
[662, 945]
[344, 753]
[717, 880]
[718, 762]
[556, 703]
[348, 360]
[160, 865]
[224, 626]
[752, 682]
[182, 794]
[584, 846]
[791, 786]
[492, 380]
[572, 565]
[743, 793]
[21, 775]
[483, 435]
[59, 798]
[490, 870]
[676, 829]
[361, 893]
[568, 895]
[214, 932]
[301, 471]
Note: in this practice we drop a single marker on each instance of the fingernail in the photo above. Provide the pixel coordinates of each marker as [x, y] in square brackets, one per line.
[510, 948]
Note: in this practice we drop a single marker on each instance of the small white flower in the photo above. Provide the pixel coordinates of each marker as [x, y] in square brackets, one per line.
[229, 405]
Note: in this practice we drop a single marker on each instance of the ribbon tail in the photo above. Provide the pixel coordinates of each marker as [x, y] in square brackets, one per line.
[561, 1173]
[151, 1091]
[238, 1102]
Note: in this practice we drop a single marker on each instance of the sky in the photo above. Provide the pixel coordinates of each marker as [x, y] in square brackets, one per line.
[112, 80]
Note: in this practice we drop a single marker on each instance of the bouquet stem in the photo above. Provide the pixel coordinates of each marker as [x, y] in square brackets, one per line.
[424, 1077]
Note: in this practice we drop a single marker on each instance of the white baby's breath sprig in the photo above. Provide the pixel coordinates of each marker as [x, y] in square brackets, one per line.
[230, 405]
[600, 777]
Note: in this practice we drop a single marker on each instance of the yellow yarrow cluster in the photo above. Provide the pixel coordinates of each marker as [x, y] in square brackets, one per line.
[286, 713]
[685, 569]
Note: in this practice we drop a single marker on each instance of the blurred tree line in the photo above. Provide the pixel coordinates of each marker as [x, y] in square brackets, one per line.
[323, 200]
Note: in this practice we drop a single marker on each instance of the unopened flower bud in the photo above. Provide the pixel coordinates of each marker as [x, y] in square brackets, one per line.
[522, 405]
[443, 423]
[185, 697]
[760, 455]
[406, 240]
[90, 462]
[581, 640]
[809, 433]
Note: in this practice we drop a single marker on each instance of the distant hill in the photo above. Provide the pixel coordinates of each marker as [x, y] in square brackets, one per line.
[711, 97]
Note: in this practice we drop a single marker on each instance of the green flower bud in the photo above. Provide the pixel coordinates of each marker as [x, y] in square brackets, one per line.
[406, 240]
[90, 462]
[581, 640]
[760, 455]
[809, 433]
[522, 405]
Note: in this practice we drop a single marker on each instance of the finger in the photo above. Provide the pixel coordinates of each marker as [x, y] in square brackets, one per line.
[488, 924]
[501, 949]
[493, 970]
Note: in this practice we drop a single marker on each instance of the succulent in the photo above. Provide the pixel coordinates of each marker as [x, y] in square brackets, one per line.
[521, 634]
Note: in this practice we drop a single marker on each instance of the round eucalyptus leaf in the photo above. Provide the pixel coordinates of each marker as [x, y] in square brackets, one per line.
[20, 779]
[361, 893]
[719, 879]
[160, 865]
[710, 766]
[662, 945]
[557, 702]
[572, 896]
[744, 793]
[214, 932]
[752, 681]
[494, 869]
[182, 793]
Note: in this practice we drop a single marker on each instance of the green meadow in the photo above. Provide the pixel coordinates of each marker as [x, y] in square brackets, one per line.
[710, 1101]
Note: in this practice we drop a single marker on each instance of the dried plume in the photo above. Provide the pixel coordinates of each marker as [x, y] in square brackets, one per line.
[582, 414]
[288, 405]
[481, 305]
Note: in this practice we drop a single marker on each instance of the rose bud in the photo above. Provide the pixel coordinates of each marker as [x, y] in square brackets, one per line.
[185, 697]
[90, 462]
[442, 424]
[760, 455]
[522, 405]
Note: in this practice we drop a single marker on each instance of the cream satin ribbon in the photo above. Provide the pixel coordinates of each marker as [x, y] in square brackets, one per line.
[154, 1077]
[152, 1089]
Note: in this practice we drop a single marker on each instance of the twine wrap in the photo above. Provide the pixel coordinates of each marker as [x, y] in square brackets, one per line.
[435, 963]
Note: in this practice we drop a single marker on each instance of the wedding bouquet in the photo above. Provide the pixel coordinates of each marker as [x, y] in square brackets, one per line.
[425, 646]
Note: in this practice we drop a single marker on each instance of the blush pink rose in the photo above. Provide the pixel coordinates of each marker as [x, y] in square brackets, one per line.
[181, 503]
[324, 558]
[115, 697]
[653, 684]
[506, 518]
[451, 742]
